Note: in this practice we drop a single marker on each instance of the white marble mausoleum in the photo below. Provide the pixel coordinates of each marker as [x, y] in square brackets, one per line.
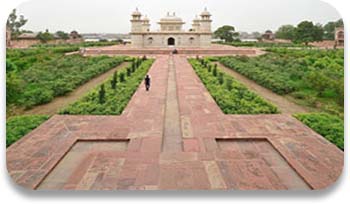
[171, 33]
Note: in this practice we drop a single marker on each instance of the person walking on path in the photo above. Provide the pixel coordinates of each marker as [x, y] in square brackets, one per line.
[147, 82]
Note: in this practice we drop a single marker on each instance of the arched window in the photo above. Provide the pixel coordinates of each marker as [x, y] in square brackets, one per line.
[171, 41]
[191, 39]
[150, 40]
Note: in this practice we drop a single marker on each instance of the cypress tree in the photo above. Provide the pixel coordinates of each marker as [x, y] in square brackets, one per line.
[138, 62]
[128, 71]
[122, 77]
[114, 81]
[215, 71]
[221, 78]
[134, 64]
[102, 94]
[229, 84]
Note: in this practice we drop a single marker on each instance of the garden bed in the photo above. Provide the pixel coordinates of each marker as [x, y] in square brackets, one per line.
[18, 126]
[114, 94]
[230, 95]
[313, 78]
[329, 126]
[36, 76]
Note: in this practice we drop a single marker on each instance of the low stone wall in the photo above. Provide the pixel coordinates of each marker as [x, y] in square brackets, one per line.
[25, 43]
[208, 51]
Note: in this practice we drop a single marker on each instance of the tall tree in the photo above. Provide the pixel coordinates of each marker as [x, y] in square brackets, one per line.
[15, 23]
[307, 32]
[114, 81]
[329, 29]
[45, 36]
[286, 32]
[256, 35]
[101, 94]
[226, 33]
[62, 35]
[318, 32]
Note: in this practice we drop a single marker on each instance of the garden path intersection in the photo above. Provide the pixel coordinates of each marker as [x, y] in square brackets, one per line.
[174, 137]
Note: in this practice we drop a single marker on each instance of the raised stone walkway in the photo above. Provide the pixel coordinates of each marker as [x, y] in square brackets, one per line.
[142, 148]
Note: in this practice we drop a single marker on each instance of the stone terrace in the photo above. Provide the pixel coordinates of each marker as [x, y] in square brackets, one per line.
[214, 50]
[210, 150]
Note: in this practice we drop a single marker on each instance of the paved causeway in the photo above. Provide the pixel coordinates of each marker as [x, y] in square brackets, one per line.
[174, 137]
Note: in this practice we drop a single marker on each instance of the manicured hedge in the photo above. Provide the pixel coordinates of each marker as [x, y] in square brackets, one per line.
[231, 96]
[18, 126]
[109, 101]
[329, 126]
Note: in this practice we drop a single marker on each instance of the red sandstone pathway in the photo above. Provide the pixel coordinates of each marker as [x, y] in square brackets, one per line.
[134, 151]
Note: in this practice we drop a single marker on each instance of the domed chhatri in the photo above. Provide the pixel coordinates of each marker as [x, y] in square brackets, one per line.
[136, 13]
[205, 13]
[171, 32]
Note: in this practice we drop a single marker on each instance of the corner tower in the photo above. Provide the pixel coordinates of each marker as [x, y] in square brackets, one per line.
[136, 29]
[205, 29]
[205, 21]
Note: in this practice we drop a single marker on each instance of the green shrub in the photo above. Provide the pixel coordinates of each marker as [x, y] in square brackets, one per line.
[229, 85]
[34, 96]
[101, 94]
[221, 78]
[215, 71]
[18, 126]
[114, 80]
[128, 71]
[122, 77]
[329, 126]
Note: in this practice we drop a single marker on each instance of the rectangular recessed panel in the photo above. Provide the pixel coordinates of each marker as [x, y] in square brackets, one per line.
[258, 160]
[83, 163]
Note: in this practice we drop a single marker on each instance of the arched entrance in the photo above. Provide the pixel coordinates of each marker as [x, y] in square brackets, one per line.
[171, 41]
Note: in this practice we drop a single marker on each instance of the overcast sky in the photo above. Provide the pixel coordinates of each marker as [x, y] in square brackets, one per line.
[112, 16]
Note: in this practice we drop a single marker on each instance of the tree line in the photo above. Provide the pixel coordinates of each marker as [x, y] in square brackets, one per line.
[16, 22]
[305, 32]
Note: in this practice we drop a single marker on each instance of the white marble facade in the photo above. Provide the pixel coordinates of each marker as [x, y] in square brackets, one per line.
[171, 33]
